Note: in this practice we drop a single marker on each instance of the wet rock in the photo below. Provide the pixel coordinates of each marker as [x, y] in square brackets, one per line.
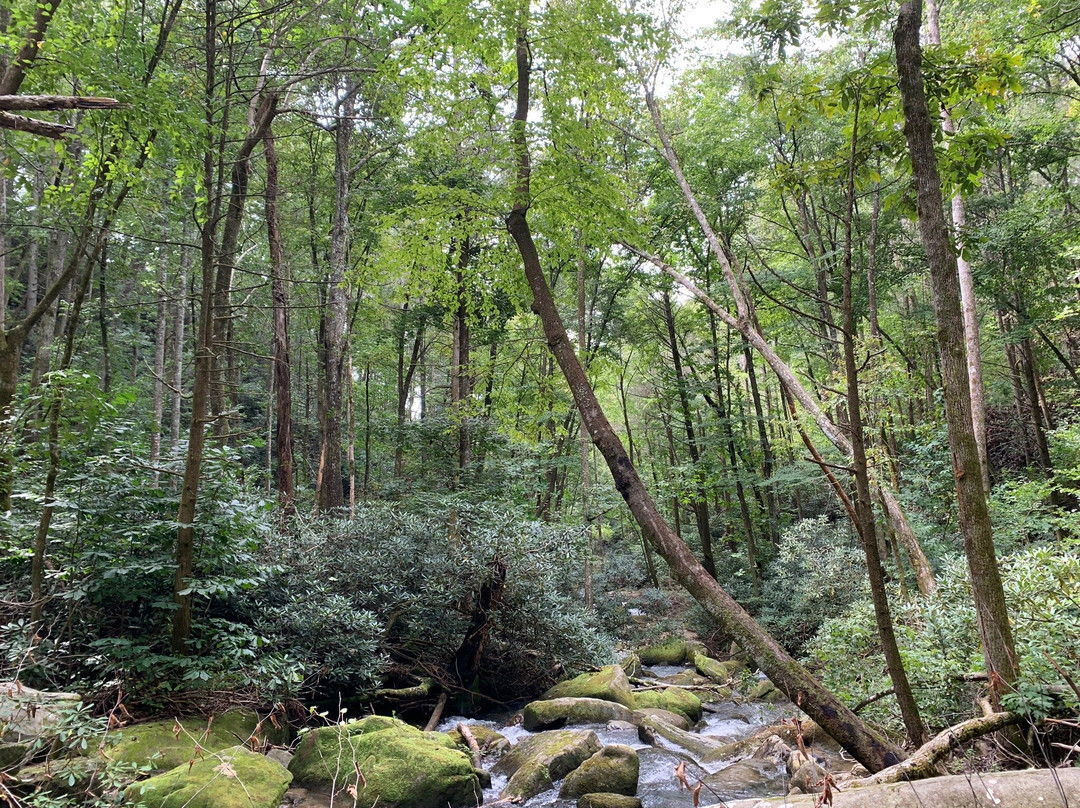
[1045, 788]
[668, 652]
[230, 778]
[684, 679]
[555, 713]
[535, 763]
[612, 770]
[608, 801]
[809, 777]
[766, 691]
[788, 733]
[721, 673]
[621, 726]
[773, 748]
[282, 756]
[699, 746]
[486, 738]
[607, 684]
[402, 766]
[751, 777]
[160, 745]
[672, 699]
[675, 719]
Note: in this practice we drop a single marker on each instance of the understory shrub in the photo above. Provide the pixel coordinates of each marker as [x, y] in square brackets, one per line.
[819, 571]
[394, 590]
[939, 641]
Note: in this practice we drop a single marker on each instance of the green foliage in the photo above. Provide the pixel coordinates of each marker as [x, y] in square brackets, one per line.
[348, 596]
[939, 641]
[818, 573]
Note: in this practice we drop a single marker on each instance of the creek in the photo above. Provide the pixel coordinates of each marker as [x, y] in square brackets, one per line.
[731, 720]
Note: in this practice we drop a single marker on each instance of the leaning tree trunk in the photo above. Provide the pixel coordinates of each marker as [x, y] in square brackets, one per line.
[829, 712]
[993, 618]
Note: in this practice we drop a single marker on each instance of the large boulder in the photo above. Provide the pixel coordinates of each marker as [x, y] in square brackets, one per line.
[556, 713]
[669, 652]
[766, 691]
[230, 778]
[535, 763]
[675, 719]
[672, 699]
[167, 744]
[722, 673]
[612, 770]
[402, 767]
[26, 713]
[1046, 788]
[608, 684]
[700, 747]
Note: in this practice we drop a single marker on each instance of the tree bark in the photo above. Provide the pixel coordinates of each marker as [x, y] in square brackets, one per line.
[331, 494]
[993, 619]
[837, 720]
[282, 367]
[968, 299]
[160, 329]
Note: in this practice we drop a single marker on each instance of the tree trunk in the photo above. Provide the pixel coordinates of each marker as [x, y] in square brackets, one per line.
[331, 494]
[160, 328]
[179, 317]
[700, 503]
[993, 619]
[282, 368]
[864, 508]
[968, 300]
[461, 367]
[837, 720]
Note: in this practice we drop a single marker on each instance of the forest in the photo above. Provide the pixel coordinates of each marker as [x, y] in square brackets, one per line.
[472, 365]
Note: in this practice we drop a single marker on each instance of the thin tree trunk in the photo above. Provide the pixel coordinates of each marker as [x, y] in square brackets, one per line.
[864, 509]
[836, 719]
[968, 300]
[179, 317]
[461, 367]
[331, 496]
[282, 365]
[160, 328]
[993, 619]
[700, 503]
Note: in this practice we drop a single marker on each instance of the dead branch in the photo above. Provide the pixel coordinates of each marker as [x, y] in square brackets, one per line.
[21, 123]
[470, 740]
[22, 103]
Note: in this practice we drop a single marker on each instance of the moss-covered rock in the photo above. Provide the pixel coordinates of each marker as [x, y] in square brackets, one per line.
[12, 754]
[401, 765]
[632, 665]
[25, 712]
[751, 777]
[161, 746]
[608, 801]
[229, 778]
[608, 684]
[486, 738]
[650, 730]
[685, 679]
[555, 713]
[535, 763]
[720, 672]
[612, 770]
[672, 699]
[766, 691]
[66, 776]
[668, 717]
[669, 652]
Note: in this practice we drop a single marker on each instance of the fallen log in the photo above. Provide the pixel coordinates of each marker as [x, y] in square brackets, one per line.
[922, 763]
[23, 103]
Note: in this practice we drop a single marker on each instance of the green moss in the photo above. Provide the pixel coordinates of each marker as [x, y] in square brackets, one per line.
[229, 778]
[401, 765]
[672, 699]
[612, 770]
[539, 760]
[608, 684]
[11, 754]
[159, 745]
[554, 713]
[720, 672]
[608, 801]
[669, 652]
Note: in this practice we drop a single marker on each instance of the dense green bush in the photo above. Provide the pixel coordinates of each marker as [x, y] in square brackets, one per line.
[395, 587]
[819, 571]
